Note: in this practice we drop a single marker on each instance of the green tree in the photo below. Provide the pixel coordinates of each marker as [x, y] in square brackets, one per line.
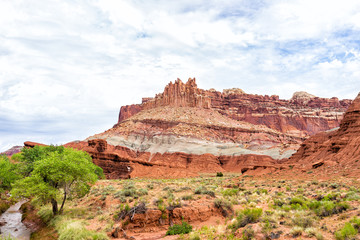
[57, 175]
[7, 173]
[28, 156]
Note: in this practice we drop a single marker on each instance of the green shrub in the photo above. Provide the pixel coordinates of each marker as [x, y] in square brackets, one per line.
[356, 223]
[203, 190]
[142, 192]
[302, 220]
[183, 228]
[326, 208]
[8, 173]
[278, 202]
[230, 192]
[347, 232]
[312, 232]
[261, 191]
[187, 197]
[246, 216]
[296, 231]
[219, 174]
[298, 200]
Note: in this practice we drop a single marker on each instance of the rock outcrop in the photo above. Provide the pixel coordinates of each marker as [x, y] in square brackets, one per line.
[121, 162]
[338, 149]
[301, 116]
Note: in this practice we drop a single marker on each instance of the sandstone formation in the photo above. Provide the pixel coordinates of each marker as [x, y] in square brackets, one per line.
[186, 130]
[121, 162]
[32, 144]
[338, 149]
[301, 116]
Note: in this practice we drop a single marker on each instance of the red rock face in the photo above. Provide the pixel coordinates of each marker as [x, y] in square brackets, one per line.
[301, 116]
[128, 111]
[121, 162]
[186, 130]
[32, 144]
[340, 148]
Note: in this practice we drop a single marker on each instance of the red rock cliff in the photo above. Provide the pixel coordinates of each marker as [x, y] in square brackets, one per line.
[301, 116]
[340, 148]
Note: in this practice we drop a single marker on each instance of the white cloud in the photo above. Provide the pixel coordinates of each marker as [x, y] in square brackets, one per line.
[66, 67]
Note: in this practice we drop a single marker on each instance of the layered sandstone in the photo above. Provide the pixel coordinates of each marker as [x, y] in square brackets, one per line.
[186, 130]
[301, 116]
[339, 149]
[122, 162]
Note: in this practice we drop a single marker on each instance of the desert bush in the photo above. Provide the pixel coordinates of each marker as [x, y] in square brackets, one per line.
[142, 192]
[203, 190]
[278, 202]
[298, 203]
[176, 229]
[246, 216]
[302, 220]
[326, 208]
[352, 195]
[313, 232]
[346, 233]
[174, 204]
[194, 236]
[219, 174]
[296, 231]
[224, 206]
[230, 192]
[356, 223]
[187, 197]
[261, 191]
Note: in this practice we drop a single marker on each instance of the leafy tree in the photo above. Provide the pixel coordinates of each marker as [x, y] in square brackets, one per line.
[7, 173]
[28, 156]
[57, 173]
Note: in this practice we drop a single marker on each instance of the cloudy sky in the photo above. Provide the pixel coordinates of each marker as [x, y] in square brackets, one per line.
[66, 66]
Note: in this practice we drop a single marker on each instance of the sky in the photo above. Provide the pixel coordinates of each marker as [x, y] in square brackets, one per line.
[67, 66]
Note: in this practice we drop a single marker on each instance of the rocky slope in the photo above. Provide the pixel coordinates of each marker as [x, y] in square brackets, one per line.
[186, 130]
[334, 151]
